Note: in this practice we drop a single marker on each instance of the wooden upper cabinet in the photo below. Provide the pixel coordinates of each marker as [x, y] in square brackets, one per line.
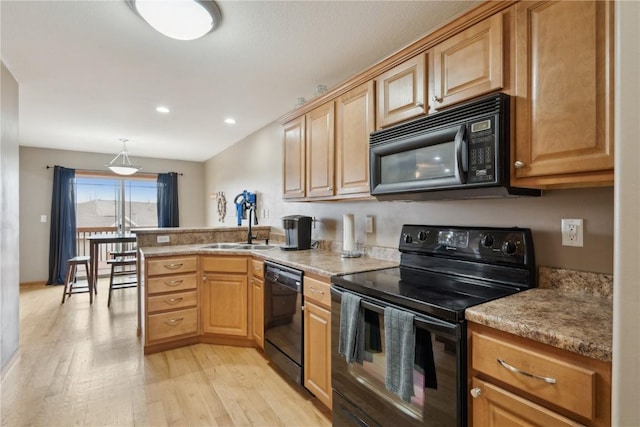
[564, 88]
[294, 159]
[355, 121]
[319, 147]
[468, 64]
[401, 92]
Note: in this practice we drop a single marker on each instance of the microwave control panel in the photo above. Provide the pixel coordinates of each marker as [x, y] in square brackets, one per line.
[482, 150]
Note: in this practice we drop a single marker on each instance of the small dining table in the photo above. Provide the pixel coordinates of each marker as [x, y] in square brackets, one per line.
[99, 239]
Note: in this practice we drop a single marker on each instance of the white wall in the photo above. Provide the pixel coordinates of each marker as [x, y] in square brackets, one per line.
[36, 184]
[626, 295]
[9, 215]
[255, 164]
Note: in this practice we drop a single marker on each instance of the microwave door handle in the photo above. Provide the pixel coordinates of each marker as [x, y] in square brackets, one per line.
[462, 165]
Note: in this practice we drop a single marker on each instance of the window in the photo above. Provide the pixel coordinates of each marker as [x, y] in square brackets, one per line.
[115, 204]
[107, 204]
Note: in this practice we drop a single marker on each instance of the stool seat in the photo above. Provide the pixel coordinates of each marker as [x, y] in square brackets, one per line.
[72, 285]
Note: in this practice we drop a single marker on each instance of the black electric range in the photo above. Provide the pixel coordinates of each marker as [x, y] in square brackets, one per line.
[444, 270]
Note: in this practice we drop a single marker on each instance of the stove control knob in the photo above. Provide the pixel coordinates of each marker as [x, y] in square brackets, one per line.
[407, 238]
[509, 248]
[487, 240]
[422, 236]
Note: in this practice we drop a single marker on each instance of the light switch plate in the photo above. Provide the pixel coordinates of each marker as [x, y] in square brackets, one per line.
[572, 232]
[369, 224]
[43, 218]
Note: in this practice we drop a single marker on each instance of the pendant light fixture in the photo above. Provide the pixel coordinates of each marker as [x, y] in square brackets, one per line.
[124, 168]
[179, 19]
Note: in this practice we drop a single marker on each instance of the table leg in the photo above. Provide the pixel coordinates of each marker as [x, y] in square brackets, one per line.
[94, 264]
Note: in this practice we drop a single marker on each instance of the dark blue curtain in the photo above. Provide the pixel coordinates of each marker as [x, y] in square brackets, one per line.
[62, 237]
[168, 215]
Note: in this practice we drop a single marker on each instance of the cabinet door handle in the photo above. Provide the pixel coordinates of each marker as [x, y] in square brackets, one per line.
[174, 266]
[518, 164]
[174, 322]
[475, 392]
[173, 301]
[436, 98]
[505, 365]
[172, 282]
[419, 105]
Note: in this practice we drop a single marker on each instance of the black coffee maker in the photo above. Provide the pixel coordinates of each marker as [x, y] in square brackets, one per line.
[297, 230]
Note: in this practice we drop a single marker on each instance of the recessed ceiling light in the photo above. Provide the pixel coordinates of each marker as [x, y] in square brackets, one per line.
[162, 109]
[230, 121]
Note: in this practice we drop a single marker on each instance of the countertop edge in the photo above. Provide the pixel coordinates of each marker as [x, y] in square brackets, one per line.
[569, 332]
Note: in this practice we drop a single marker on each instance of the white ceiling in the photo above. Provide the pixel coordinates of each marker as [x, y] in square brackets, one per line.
[91, 72]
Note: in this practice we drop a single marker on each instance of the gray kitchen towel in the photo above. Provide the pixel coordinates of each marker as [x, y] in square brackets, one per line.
[400, 344]
[351, 341]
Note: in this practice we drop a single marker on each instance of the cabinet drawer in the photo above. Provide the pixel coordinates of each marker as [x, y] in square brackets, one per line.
[574, 387]
[171, 266]
[172, 324]
[172, 301]
[257, 268]
[171, 283]
[496, 406]
[225, 264]
[317, 291]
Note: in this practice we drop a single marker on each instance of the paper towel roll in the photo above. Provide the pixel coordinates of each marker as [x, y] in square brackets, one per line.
[348, 233]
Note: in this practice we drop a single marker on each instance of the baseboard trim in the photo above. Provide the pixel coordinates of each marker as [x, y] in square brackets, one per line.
[37, 283]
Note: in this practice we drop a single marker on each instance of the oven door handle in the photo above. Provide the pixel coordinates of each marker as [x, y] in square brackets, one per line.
[431, 324]
[462, 161]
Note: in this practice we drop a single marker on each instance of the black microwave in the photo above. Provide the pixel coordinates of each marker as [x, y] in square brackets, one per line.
[462, 152]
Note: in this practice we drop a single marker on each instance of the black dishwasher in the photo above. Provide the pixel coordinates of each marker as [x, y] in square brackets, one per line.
[283, 319]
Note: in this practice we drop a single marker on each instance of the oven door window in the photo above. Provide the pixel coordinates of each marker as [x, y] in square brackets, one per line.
[434, 373]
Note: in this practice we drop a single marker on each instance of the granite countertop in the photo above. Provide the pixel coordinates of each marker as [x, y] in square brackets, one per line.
[317, 261]
[573, 321]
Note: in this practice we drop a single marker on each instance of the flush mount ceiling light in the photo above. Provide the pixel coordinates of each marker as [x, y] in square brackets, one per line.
[124, 168]
[179, 19]
[162, 109]
[230, 121]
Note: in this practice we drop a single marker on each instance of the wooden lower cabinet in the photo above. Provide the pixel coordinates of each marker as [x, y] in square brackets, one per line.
[225, 293]
[514, 381]
[224, 304]
[169, 302]
[317, 339]
[257, 302]
[495, 406]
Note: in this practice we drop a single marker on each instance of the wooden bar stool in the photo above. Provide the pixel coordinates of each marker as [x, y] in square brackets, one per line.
[72, 285]
[124, 272]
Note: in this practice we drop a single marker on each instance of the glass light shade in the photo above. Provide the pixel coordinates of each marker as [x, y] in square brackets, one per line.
[179, 19]
[124, 168]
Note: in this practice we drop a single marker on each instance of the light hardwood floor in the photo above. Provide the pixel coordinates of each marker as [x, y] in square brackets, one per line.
[83, 365]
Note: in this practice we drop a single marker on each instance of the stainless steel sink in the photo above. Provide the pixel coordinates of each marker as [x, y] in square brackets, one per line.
[244, 246]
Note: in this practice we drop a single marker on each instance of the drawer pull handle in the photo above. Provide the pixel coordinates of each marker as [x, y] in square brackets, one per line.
[476, 392]
[312, 289]
[174, 322]
[173, 301]
[505, 365]
[174, 266]
[172, 282]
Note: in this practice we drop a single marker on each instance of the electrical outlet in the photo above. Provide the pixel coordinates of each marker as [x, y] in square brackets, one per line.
[572, 230]
[369, 224]
[162, 239]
